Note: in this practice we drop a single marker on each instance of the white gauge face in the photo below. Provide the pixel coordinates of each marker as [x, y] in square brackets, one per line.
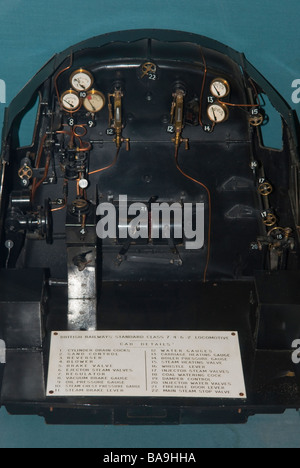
[70, 100]
[219, 88]
[217, 113]
[94, 102]
[82, 80]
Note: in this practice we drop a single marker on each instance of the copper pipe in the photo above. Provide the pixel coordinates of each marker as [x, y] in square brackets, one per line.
[209, 208]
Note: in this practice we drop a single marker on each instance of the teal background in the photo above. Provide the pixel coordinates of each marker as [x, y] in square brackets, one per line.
[268, 32]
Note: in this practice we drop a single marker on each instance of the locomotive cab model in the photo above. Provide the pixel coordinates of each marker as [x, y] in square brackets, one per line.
[149, 237]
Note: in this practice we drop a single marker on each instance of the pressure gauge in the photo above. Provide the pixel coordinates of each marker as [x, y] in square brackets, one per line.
[70, 101]
[94, 101]
[82, 80]
[218, 113]
[220, 88]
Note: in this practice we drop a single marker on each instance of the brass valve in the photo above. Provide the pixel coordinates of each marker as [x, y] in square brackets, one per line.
[256, 120]
[177, 111]
[270, 220]
[25, 173]
[265, 189]
[147, 68]
[178, 140]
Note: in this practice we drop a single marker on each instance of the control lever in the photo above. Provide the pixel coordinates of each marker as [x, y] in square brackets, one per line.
[177, 111]
[115, 118]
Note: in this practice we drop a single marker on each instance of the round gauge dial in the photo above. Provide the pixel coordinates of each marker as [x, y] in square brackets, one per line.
[219, 88]
[82, 80]
[217, 113]
[94, 102]
[70, 100]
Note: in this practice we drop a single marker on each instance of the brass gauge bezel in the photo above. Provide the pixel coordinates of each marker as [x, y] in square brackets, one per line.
[223, 107]
[75, 93]
[225, 83]
[86, 72]
[92, 93]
